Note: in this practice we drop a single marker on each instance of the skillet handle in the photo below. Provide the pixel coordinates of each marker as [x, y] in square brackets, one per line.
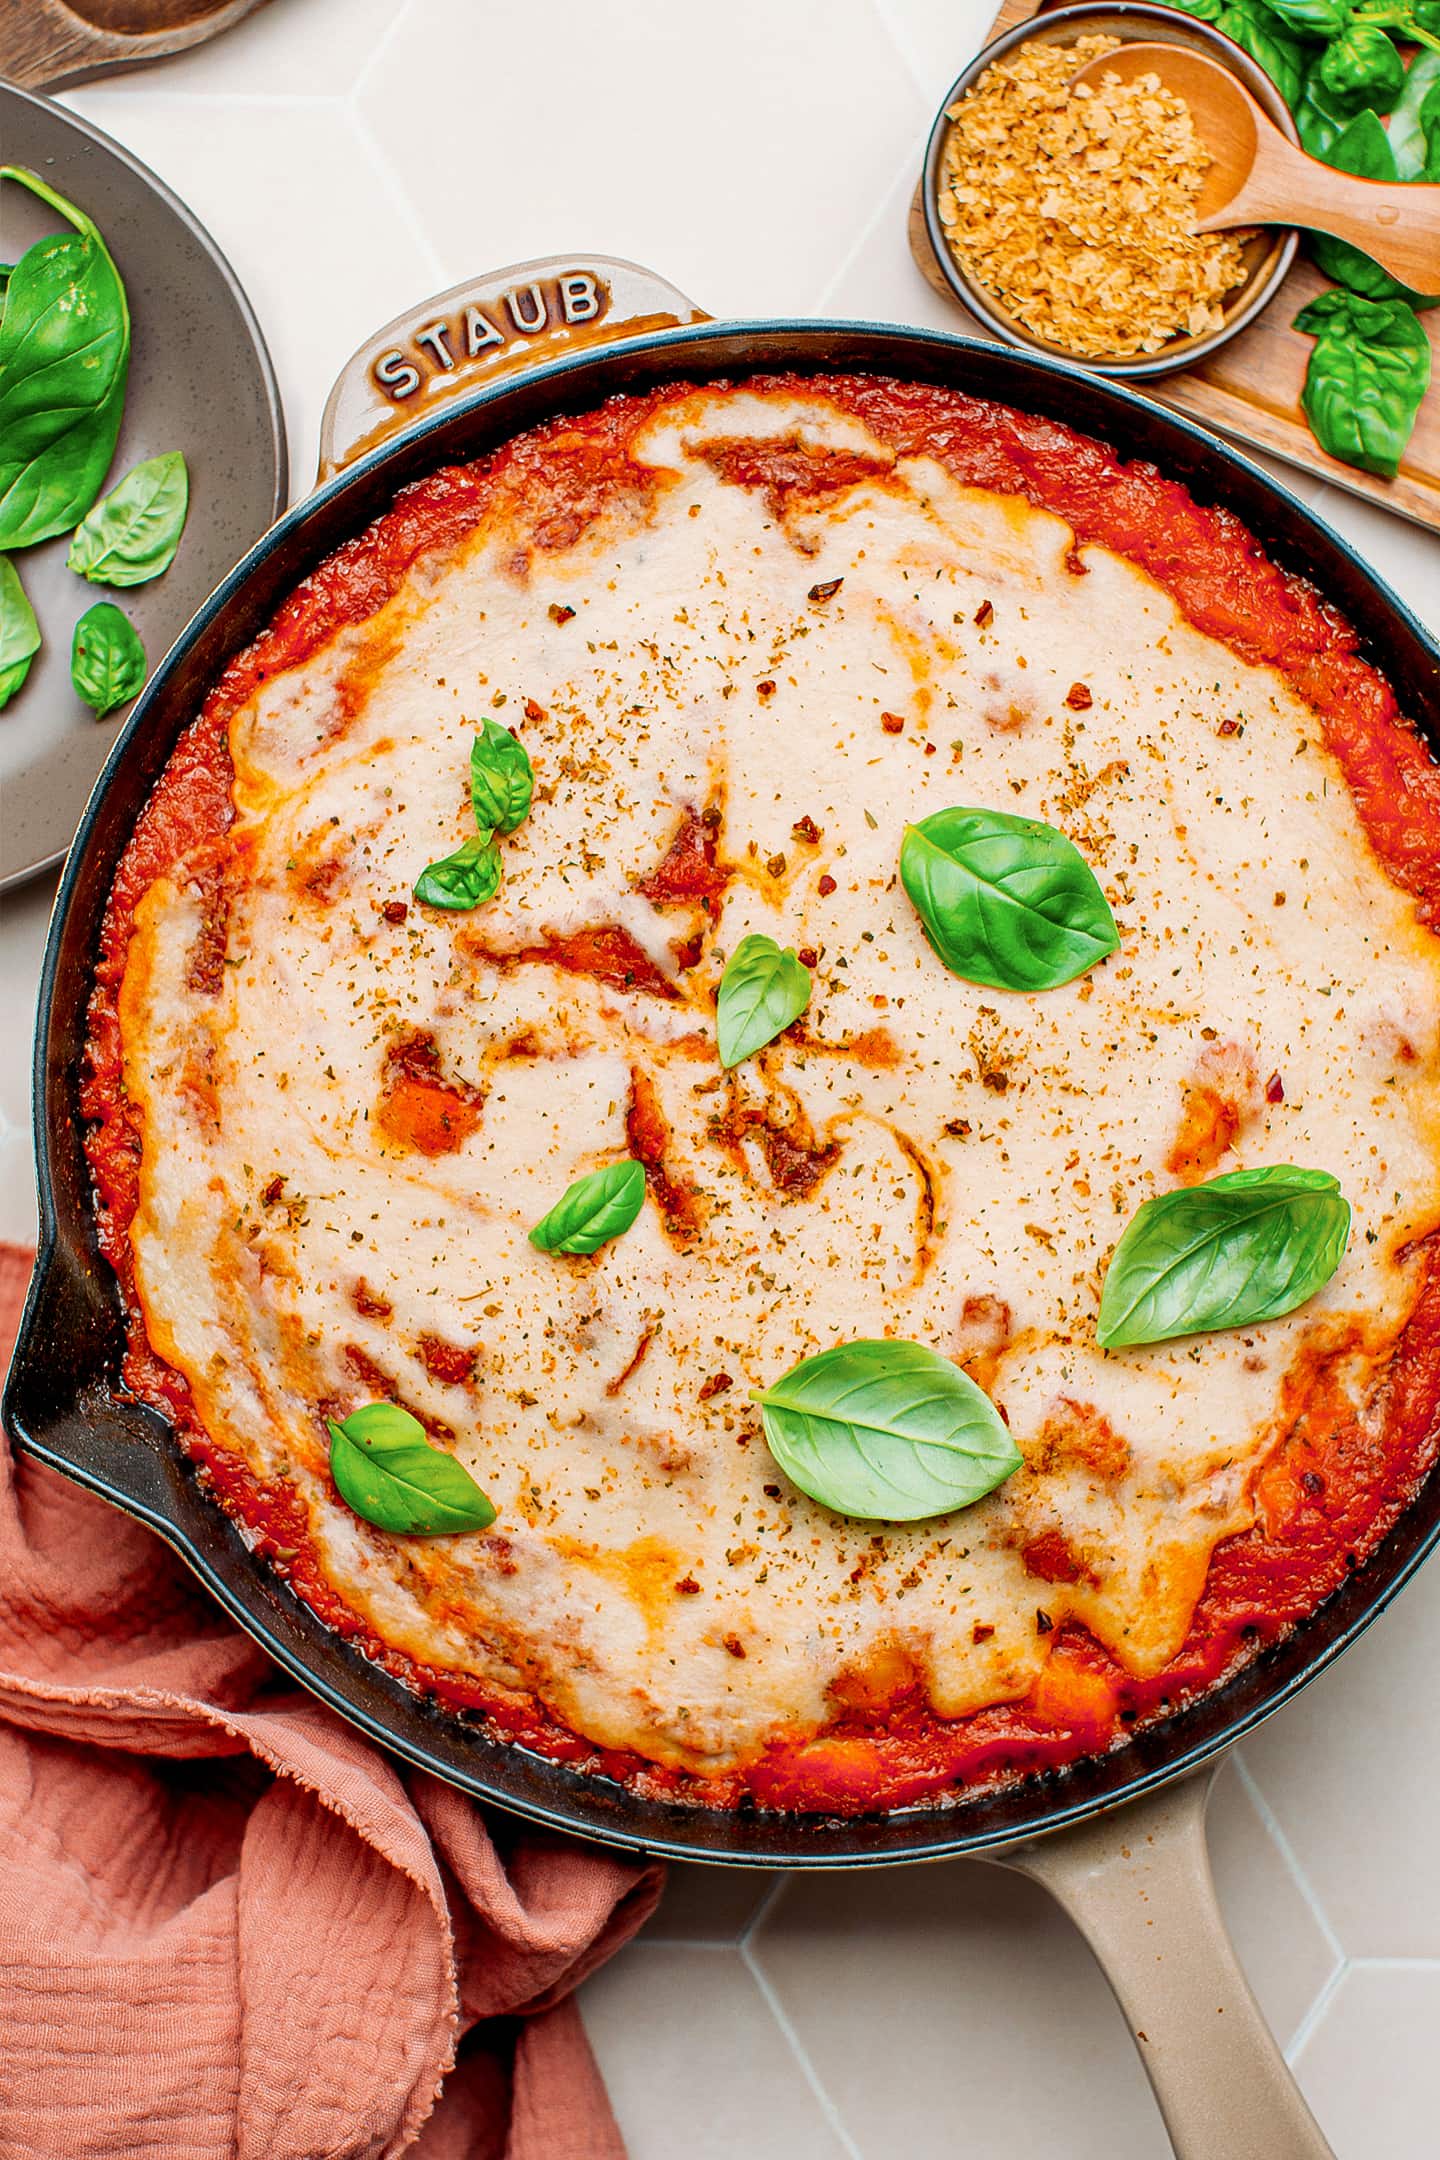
[484, 330]
[1137, 1884]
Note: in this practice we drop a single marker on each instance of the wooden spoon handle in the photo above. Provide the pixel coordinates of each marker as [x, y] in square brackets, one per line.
[1395, 221]
[45, 44]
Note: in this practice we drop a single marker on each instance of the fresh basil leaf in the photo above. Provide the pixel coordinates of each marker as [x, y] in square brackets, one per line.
[1318, 118]
[1004, 900]
[1269, 44]
[597, 1207]
[1243, 1248]
[1204, 10]
[887, 1431]
[19, 632]
[1409, 128]
[1316, 19]
[1367, 375]
[501, 779]
[131, 534]
[1362, 67]
[761, 991]
[64, 357]
[107, 659]
[466, 879]
[386, 1470]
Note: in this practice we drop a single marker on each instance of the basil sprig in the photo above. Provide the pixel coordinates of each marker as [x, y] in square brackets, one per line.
[19, 631]
[763, 988]
[132, 533]
[64, 357]
[597, 1207]
[502, 779]
[465, 879]
[1004, 900]
[886, 1431]
[1367, 375]
[501, 783]
[107, 659]
[1243, 1248]
[386, 1470]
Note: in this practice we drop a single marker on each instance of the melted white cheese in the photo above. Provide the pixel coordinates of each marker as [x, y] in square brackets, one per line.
[1039, 1122]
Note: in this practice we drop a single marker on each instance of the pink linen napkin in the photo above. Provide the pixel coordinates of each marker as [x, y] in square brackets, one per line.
[231, 1926]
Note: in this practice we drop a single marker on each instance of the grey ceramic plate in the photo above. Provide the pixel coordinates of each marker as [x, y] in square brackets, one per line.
[200, 381]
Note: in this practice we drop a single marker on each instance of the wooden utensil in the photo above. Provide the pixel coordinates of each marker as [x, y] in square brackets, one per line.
[46, 43]
[1258, 178]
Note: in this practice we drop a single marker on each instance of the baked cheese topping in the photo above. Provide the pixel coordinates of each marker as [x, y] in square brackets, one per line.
[354, 1108]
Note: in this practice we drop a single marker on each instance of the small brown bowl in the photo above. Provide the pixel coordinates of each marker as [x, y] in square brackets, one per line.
[1267, 257]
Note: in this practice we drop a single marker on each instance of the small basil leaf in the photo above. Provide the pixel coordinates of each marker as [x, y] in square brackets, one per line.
[1004, 900]
[1366, 377]
[386, 1470]
[466, 879]
[1362, 67]
[19, 632]
[107, 659]
[1243, 1248]
[887, 1431]
[501, 779]
[596, 1208]
[64, 357]
[132, 533]
[761, 991]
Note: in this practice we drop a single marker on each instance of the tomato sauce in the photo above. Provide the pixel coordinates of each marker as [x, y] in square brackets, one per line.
[1334, 1484]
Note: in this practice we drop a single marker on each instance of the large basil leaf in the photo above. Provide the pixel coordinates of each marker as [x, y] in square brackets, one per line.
[64, 356]
[465, 879]
[1247, 1247]
[386, 1470]
[107, 659]
[887, 1431]
[1366, 377]
[1411, 122]
[1320, 19]
[131, 534]
[761, 991]
[1364, 148]
[501, 779]
[597, 1207]
[19, 632]
[1005, 900]
[1262, 35]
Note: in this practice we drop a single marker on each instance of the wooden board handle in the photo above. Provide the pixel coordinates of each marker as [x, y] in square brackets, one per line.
[45, 44]
[483, 330]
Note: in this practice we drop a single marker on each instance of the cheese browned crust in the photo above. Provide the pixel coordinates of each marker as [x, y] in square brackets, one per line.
[919, 1157]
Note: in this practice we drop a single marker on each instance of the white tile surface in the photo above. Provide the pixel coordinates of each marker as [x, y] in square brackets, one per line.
[351, 155]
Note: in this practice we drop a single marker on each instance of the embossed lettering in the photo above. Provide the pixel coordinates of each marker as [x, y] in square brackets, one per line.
[480, 332]
[579, 297]
[433, 335]
[397, 376]
[533, 321]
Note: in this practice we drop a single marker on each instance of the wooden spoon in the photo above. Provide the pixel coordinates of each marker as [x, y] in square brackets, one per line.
[45, 43]
[1258, 178]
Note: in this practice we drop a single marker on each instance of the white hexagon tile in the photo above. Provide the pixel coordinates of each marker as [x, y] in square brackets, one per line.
[350, 155]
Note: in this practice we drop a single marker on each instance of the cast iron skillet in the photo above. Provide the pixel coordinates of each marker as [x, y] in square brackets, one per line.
[1139, 1889]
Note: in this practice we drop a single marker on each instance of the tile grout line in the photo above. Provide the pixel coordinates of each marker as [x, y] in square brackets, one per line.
[115, 87]
[910, 163]
[796, 2046]
[382, 46]
[1300, 2038]
[763, 1910]
[1287, 1853]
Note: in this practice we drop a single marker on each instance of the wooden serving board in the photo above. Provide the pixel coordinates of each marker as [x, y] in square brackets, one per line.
[1251, 388]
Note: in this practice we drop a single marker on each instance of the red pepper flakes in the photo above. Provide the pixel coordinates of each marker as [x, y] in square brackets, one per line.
[734, 1645]
[1043, 1622]
[1274, 1088]
[984, 614]
[807, 956]
[892, 722]
[826, 886]
[534, 711]
[929, 749]
[827, 591]
[272, 1192]
[717, 1384]
[980, 1632]
[771, 1492]
[806, 829]
[775, 864]
[395, 911]
[1279, 900]
[765, 689]
[1228, 727]
[1078, 697]
[687, 1586]
[560, 614]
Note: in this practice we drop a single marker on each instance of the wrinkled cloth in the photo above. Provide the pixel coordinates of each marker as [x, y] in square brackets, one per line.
[231, 1926]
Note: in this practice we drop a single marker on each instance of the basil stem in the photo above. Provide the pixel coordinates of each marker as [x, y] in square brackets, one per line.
[386, 1469]
[595, 1208]
[886, 1431]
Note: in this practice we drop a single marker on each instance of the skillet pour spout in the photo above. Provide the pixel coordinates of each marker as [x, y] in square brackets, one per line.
[447, 383]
